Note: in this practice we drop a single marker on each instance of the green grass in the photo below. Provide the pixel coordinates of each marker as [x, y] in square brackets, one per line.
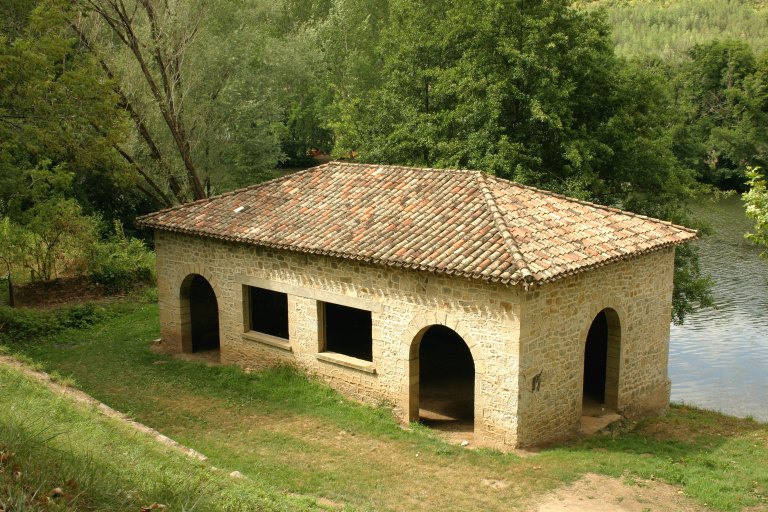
[292, 434]
[56, 455]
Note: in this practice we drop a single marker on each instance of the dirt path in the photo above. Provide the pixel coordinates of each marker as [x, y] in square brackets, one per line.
[597, 493]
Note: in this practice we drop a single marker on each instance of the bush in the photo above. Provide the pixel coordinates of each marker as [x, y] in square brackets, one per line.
[79, 317]
[20, 325]
[120, 263]
[23, 324]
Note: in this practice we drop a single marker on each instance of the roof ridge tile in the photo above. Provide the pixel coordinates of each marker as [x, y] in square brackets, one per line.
[599, 206]
[501, 225]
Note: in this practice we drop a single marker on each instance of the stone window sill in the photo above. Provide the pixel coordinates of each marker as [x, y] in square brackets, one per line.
[347, 361]
[267, 339]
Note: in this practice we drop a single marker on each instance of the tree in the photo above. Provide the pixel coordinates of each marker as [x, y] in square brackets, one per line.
[59, 121]
[57, 232]
[156, 35]
[530, 91]
[14, 17]
[756, 200]
[200, 83]
[726, 125]
[10, 252]
[515, 88]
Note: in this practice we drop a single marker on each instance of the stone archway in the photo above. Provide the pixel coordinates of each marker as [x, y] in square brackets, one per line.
[446, 377]
[199, 315]
[602, 363]
[410, 345]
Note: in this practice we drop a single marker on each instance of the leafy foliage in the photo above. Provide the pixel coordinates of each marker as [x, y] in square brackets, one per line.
[692, 289]
[120, 263]
[670, 29]
[18, 325]
[723, 129]
[58, 118]
[495, 87]
[756, 200]
[57, 233]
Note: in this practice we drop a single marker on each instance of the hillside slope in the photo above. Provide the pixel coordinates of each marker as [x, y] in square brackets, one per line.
[669, 28]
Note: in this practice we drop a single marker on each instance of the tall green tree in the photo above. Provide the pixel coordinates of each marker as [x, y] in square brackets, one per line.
[14, 17]
[214, 89]
[59, 121]
[530, 91]
[725, 128]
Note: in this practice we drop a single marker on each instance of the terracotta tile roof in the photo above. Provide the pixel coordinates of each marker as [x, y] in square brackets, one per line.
[447, 221]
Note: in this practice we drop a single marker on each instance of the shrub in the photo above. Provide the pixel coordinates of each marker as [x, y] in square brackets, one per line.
[149, 296]
[20, 325]
[79, 316]
[120, 263]
[55, 235]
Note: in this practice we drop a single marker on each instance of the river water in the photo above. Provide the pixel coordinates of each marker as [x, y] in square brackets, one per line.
[718, 359]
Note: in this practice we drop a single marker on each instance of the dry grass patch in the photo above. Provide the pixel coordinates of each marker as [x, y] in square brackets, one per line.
[296, 435]
[598, 493]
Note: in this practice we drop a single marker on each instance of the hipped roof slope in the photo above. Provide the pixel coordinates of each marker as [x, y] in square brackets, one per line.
[446, 221]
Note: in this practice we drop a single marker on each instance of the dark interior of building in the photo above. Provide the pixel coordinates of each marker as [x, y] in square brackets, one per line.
[204, 312]
[348, 331]
[446, 379]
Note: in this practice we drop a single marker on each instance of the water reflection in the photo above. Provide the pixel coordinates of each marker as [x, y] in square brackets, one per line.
[719, 358]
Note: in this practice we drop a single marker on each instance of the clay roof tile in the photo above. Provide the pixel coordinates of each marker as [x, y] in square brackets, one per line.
[455, 222]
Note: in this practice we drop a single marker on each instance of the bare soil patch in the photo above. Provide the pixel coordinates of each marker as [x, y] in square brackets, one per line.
[597, 493]
[64, 290]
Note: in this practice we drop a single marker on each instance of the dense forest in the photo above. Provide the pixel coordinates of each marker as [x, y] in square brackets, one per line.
[669, 29]
[113, 108]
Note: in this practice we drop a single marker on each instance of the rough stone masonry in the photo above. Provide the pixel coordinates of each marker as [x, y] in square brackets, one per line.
[520, 275]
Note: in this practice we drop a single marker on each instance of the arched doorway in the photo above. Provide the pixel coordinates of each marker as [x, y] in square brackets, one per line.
[444, 369]
[200, 315]
[602, 358]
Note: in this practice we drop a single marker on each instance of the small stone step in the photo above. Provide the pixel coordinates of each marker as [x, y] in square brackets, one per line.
[593, 424]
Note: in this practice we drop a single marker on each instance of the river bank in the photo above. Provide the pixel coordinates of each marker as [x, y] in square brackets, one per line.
[719, 357]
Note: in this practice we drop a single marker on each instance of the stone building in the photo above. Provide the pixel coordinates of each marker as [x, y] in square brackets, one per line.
[452, 296]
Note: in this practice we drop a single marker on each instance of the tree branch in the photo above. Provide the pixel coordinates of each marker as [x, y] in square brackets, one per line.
[125, 103]
[122, 24]
[128, 158]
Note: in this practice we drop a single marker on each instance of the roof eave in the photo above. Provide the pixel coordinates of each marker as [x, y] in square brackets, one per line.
[526, 279]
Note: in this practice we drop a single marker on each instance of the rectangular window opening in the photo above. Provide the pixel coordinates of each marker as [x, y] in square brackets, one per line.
[268, 312]
[346, 330]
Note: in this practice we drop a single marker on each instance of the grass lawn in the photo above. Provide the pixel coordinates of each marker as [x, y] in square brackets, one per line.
[59, 455]
[293, 435]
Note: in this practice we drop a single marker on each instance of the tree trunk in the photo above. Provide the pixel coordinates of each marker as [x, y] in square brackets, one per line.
[11, 299]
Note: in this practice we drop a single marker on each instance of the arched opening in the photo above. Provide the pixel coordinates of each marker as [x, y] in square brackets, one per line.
[200, 315]
[444, 373]
[602, 357]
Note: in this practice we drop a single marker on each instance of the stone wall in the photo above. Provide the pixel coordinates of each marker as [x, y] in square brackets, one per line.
[527, 346]
[402, 304]
[555, 320]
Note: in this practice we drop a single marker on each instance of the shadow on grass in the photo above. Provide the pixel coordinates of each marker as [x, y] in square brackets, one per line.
[717, 459]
